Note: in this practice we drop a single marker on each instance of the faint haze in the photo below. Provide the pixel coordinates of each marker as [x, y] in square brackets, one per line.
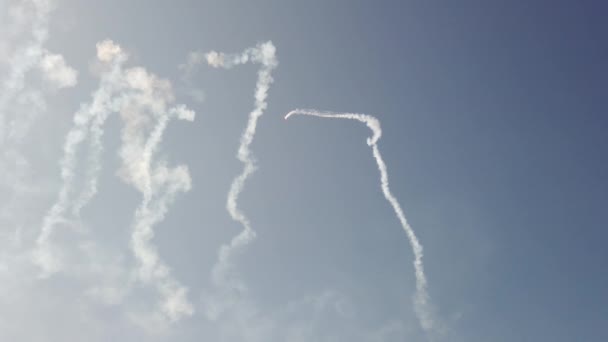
[127, 155]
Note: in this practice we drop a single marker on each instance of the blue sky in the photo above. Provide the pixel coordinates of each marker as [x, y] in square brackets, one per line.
[493, 133]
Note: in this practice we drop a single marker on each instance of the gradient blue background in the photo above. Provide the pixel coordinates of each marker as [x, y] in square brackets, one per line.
[494, 121]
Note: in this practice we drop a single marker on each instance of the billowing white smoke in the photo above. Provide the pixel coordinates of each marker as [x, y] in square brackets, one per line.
[421, 298]
[264, 54]
[143, 101]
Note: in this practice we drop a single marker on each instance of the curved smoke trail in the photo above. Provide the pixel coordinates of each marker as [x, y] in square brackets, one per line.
[17, 90]
[150, 180]
[265, 54]
[421, 298]
[149, 98]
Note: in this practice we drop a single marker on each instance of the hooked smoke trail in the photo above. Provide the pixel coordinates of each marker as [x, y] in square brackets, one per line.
[421, 298]
[265, 54]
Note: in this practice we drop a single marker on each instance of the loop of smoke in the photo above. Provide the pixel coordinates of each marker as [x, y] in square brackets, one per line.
[421, 299]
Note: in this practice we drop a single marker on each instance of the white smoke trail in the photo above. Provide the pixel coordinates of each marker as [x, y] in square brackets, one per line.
[421, 298]
[29, 55]
[140, 98]
[31, 16]
[265, 54]
[158, 184]
[100, 107]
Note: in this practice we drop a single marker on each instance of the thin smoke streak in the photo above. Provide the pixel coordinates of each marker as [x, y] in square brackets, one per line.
[29, 56]
[421, 299]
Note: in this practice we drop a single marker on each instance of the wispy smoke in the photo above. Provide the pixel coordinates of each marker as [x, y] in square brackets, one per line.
[221, 275]
[421, 298]
[143, 101]
[27, 56]
[30, 55]
[102, 104]
[105, 101]
[56, 71]
[147, 100]
[157, 183]
[21, 99]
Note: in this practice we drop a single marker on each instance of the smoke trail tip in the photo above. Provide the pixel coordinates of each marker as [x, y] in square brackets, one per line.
[290, 114]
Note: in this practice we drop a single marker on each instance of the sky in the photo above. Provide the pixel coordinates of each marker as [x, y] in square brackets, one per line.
[153, 190]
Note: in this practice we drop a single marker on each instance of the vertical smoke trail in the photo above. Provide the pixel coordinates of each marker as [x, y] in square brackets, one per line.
[264, 54]
[158, 184]
[421, 298]
[101, 105]
[93, 163]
